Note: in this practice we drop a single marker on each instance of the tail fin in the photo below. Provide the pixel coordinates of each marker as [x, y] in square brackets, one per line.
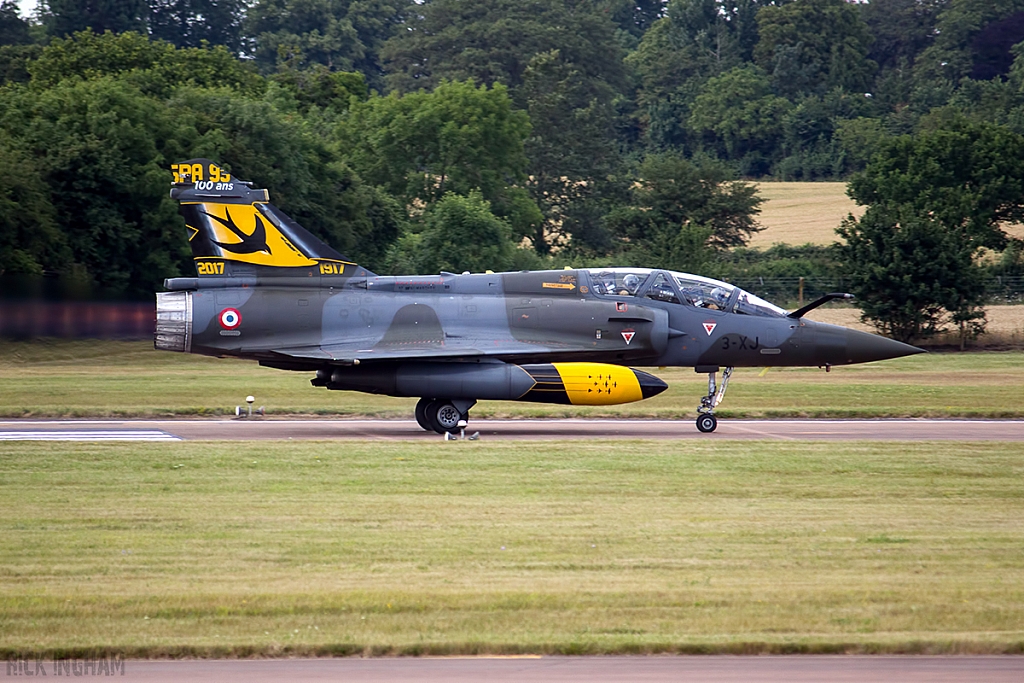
[234, 229]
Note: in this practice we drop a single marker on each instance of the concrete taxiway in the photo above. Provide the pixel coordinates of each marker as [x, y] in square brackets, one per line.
[507, 430]
[715, 669]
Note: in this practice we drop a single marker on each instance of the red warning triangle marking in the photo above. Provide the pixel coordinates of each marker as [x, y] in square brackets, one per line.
[709, 326]
[628, 336]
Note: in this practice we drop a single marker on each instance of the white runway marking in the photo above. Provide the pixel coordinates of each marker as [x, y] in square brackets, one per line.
[90, 435]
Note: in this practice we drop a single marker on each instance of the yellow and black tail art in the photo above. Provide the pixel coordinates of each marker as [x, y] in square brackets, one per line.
[230, 224]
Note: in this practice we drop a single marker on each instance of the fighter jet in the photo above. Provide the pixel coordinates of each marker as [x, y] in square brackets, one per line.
[269, 291]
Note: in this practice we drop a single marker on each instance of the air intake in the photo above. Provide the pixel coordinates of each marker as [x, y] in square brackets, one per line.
[173, 321]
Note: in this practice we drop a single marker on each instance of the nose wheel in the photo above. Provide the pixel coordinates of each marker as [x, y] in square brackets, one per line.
[707, 423]
[706, 420]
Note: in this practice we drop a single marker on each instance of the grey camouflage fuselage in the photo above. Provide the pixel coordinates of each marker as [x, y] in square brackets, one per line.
[269, 291]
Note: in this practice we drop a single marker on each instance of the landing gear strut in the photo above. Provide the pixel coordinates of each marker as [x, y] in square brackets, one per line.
[442, 415]
[706, 420]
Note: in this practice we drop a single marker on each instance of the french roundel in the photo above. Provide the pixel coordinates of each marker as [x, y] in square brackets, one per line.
[230, 318]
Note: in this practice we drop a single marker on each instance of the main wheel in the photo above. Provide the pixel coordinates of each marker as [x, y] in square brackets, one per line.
[421, 414]
[443, 416]
[707, 423]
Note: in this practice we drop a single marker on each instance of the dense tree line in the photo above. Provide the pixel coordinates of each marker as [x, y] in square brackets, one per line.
[459, 134]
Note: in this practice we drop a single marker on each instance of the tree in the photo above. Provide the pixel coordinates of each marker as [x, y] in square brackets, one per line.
[342, 35]
[934, 200]
[423, 145]
[494, 42]
[103, 146]
[993, 44]
[740, 118]
[188, 23]
[571, 147]
[633, 17]
[968, 175]
[951, 56]
[97, 147]
[13, 29]
[999, 101]
[30, 243]
[15, 61]
[911, 274]
[17, 49]
[561, 63]
[820, 134]
[695, 41]
[320, 87]
[812, 46]
[459, 234]
[681, 211]
[154, 66]
[901, 29]
[64, 17]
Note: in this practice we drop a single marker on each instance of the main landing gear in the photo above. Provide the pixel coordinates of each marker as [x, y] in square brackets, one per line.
[706, 420]
[443, 415]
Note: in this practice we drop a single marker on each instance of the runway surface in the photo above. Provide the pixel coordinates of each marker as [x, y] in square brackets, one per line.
[87, 435]
[509, 430]
[720, 669]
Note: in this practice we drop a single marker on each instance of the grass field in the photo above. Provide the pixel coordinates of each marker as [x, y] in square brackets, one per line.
[93, 378]
[212, 548]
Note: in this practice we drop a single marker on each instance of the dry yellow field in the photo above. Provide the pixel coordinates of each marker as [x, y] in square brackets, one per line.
[801, 213]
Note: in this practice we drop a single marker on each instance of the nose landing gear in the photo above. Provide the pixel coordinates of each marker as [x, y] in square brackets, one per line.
[706, 420]
[707, 423]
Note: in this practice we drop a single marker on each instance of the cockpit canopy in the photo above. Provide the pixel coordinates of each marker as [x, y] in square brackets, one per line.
[679, 288]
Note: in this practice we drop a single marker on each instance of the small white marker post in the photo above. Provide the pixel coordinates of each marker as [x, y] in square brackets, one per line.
[250, 400]
[448, 436]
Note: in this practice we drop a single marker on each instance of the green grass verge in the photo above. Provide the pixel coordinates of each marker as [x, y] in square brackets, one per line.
[275, 548]
[130, 379]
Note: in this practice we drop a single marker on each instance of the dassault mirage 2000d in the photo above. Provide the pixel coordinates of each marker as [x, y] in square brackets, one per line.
[270, 291]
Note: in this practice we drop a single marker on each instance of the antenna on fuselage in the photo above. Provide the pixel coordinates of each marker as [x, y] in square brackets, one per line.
[801, 312]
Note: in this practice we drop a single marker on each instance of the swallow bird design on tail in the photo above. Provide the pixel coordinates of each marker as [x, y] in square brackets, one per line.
[249, 244]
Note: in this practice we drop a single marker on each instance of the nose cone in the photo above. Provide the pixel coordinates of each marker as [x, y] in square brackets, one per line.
[862, 347]
[649, 384]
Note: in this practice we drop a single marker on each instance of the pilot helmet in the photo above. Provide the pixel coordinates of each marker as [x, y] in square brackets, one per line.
[631, 282]
[720, 295]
